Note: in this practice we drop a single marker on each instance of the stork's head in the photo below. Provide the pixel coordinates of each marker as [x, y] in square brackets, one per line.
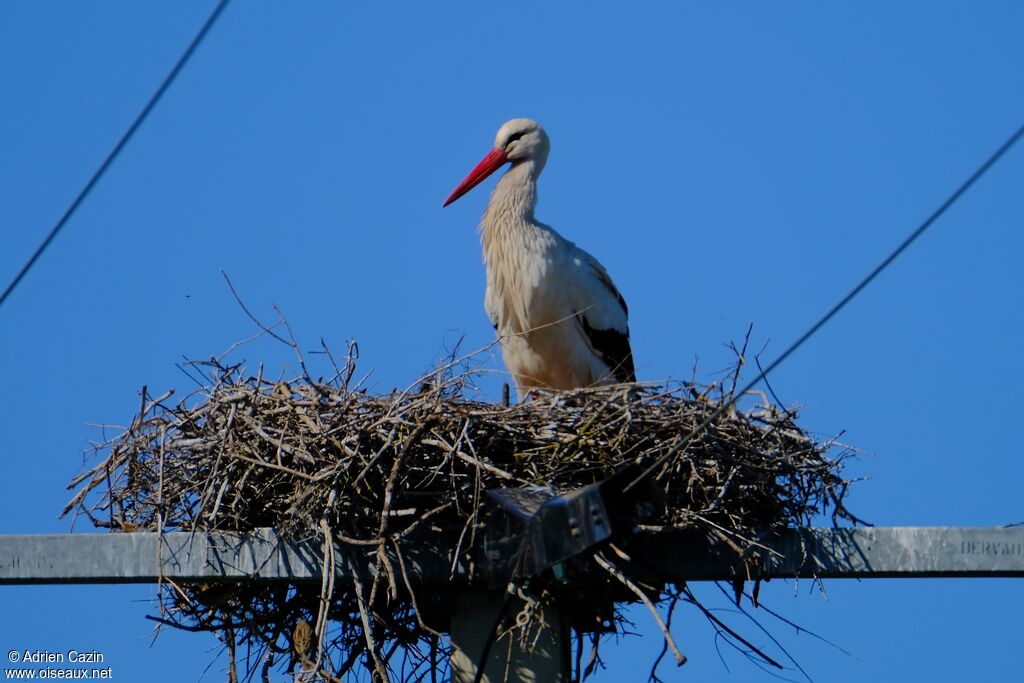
[523, 139]
[517, 141]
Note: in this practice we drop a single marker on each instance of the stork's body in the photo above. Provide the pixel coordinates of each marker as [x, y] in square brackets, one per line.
[561, 321]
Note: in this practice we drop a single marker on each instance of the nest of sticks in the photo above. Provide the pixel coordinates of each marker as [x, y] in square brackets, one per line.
[325, 459]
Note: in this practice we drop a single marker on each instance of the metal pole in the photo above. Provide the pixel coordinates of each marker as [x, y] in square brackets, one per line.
[542, 658]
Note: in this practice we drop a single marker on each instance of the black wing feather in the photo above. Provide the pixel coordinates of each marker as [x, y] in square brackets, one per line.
[611, 345]
[613, 348]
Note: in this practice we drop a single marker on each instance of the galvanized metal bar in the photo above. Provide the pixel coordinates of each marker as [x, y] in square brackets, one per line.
[909, 551]
[145, 557]
[862, 553]
[264, 556]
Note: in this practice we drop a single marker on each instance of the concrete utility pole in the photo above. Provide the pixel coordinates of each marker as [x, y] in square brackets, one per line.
[472, 621]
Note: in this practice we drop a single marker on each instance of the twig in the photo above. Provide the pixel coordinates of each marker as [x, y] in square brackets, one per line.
[722, 625]
[253, 318]
[617, 573]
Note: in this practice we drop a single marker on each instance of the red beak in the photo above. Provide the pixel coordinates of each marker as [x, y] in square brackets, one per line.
[488, 165]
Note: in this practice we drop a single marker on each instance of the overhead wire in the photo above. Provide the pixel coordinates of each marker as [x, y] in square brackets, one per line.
[685, 441]
[699, 429]
[102, 168]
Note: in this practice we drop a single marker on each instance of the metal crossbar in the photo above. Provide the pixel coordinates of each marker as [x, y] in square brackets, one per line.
[898, 552]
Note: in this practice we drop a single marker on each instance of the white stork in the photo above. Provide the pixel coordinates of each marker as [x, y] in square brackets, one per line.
[561, 322]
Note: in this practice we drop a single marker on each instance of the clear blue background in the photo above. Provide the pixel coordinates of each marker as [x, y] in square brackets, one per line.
[729, 163]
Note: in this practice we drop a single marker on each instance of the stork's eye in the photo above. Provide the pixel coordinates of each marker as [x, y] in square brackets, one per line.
[515, 136]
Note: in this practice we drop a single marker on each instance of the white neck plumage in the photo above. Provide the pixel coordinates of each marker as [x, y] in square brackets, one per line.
[511, 206]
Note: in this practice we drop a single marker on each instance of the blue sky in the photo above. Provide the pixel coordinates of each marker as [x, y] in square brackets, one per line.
[729, 163]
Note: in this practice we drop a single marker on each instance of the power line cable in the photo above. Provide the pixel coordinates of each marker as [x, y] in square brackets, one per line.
[685, 441]
[98, 173]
